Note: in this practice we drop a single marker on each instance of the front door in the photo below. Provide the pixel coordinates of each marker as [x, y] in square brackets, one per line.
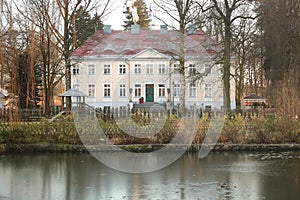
[150, 93]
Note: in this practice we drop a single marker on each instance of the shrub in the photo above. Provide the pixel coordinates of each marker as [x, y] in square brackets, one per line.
[268, 129]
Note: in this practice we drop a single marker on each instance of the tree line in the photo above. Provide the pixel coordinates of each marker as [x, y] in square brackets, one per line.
[260, 42]
[37, 39]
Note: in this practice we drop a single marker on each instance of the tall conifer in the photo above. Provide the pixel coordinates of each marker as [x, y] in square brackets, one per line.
[142, 12]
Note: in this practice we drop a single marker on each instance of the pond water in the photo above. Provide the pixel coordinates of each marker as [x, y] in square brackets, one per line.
[55, 176]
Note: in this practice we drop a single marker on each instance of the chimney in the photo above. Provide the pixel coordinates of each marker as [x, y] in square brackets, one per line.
[192, 30]
[163, 29]
[135, 29]
[107, 29]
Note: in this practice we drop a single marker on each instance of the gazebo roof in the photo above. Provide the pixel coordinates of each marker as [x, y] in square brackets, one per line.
[254, 97]
[3, 93]
[73, 93]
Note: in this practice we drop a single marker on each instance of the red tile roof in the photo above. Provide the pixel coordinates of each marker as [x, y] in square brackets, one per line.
[124, 43]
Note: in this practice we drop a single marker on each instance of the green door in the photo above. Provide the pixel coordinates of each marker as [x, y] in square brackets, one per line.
[149, 93]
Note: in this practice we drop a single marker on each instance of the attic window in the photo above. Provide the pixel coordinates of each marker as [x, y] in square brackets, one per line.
[119, 41]
[149, 39]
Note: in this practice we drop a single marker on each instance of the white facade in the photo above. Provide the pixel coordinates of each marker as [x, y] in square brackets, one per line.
[116, 80]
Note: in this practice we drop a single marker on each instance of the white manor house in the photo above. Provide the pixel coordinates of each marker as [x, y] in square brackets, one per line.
[116, 67]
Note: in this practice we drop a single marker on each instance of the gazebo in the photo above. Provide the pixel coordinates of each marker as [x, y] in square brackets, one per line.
[252, 100]
[7, 98]
[73, 92]
[3, 97]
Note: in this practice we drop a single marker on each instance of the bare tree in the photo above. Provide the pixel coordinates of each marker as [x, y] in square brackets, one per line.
[42, 49]
[53, 20]
[182, 12]
[280, 24]
[10, 48]
[246, 47]
[227, 12]
[6, 27]
[67, 10]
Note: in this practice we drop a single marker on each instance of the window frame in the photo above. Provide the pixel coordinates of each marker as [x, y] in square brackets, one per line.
[176, 68]
[91, 90]
[176, 90]
[192, 69]
[193, 90]
[137, 69]
[161, 90]
[107, 90]
[207, 68]
[137, 90]
[76, 86]
[91, 69]
[122, 90]
[207, 90]
[149, 69]
[75, 70]
[107, 69]
[162, 69]
[122, 69]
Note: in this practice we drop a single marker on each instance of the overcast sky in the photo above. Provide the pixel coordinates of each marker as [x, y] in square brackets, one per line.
[116, 17]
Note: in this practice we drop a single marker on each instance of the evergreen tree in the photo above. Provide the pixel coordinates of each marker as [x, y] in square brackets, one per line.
[144, 19]
[24, 83]
[85, 26]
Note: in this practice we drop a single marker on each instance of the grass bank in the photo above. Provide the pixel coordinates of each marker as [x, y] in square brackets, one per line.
[237, 130]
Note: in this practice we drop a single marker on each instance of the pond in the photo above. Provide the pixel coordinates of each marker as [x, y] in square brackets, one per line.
[79, 176]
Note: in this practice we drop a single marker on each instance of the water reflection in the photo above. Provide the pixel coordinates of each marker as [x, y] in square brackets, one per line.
[80, 176]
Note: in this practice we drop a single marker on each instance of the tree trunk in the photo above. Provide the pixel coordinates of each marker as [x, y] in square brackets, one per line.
[66, 54]
[182, 71]
[226, 67]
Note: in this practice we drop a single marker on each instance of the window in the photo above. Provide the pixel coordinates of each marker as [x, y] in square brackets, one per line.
[176, 90]
[122, 69]
[91, 69]
[76, 86]
[149, 68]
[207, 68]
[192, 90]
[91, 90]
[220, 84]
[208, 91]
[75, 70]
[106, 69]
[137, 69]
[161, 68]
[122, 90]
[192, 69]
[106, 90]
[137, 90]
[176, 68]
[161, 90]
[220, 72]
